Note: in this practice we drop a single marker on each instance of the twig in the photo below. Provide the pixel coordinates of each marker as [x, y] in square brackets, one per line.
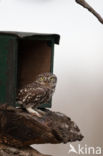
[87, 6]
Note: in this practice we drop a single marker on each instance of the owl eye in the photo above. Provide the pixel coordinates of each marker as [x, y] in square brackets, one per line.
[51, 79]
[41, 79]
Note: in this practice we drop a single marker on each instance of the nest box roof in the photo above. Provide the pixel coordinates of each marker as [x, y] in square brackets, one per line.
[28, 35]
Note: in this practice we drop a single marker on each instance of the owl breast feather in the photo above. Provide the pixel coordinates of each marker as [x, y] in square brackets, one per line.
[33, 95]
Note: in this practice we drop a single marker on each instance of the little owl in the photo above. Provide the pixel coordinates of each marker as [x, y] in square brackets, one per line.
[38, 92]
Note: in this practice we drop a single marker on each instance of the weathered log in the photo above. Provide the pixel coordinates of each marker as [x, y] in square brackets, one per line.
[18, 128]
[11, 151]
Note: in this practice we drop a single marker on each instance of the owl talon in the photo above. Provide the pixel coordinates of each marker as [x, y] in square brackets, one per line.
[40, 111]
[33, 112]
[36, 114]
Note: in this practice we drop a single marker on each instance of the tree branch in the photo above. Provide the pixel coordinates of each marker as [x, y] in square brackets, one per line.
[19, 128]
[87, 6]
[12, 151]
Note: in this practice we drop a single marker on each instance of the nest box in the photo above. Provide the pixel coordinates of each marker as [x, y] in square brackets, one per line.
[22, 57]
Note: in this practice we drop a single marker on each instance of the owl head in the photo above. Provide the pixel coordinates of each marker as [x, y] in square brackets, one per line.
[47, 79]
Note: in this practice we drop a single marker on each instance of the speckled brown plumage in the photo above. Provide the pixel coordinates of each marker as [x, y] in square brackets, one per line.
[37, 92]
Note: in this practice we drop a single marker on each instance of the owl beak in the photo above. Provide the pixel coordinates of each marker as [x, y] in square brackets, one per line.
[47, 84]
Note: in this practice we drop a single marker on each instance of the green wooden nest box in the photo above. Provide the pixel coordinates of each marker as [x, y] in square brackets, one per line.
[22, 57]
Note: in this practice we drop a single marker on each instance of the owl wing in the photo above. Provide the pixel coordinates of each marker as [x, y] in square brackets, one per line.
[33, 95]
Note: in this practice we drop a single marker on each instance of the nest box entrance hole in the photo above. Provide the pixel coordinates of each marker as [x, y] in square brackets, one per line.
[34, 57]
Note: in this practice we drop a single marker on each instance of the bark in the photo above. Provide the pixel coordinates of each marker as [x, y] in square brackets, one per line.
[87, 6]
[12, 151]
[18, 128]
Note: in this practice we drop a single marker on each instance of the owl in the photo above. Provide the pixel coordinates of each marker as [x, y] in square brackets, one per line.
[35, 94]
